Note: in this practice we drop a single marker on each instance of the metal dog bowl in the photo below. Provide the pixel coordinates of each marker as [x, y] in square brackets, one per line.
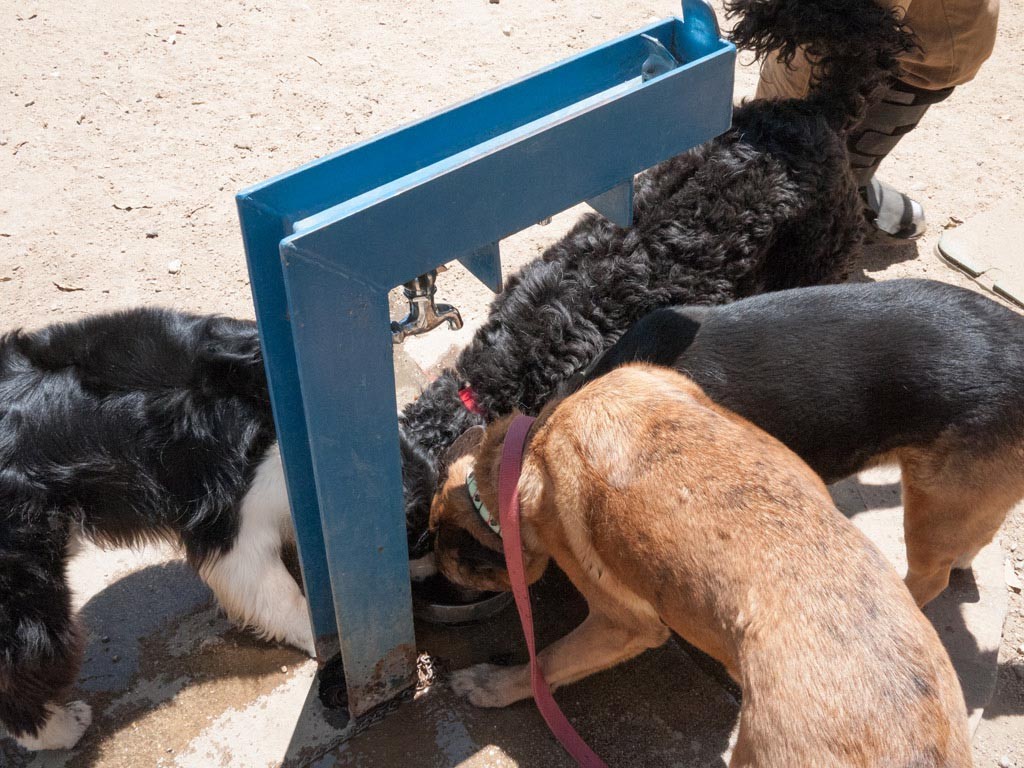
[438, 601]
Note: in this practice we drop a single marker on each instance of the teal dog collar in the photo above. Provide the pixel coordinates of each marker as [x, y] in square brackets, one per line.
[481, 508]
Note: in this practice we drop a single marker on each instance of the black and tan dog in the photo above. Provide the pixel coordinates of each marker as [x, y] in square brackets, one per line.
[911, 371]
[669, 512]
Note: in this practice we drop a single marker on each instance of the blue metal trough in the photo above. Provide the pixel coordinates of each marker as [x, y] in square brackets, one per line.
[327, 241]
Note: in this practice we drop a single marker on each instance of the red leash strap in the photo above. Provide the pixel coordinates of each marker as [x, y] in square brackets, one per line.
[508, 511]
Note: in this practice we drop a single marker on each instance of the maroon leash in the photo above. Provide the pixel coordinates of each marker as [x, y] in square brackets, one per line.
[508, 512]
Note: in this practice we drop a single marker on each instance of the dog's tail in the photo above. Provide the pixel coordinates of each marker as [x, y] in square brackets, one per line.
[853, 46]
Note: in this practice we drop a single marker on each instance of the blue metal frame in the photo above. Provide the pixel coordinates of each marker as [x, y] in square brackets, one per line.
[326, 242]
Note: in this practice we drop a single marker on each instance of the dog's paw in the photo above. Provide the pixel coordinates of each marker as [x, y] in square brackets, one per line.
[301, 636]
[488, 685]
[293, 627]
[62, 730]
[304, 642]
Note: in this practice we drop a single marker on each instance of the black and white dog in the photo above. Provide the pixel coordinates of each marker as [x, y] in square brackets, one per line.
[916, 372]
[120, 429]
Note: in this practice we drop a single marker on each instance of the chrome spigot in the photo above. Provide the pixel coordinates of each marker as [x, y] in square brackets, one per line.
[424, 314]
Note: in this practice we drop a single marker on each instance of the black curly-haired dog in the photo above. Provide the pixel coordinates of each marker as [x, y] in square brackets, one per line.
[768, 205]
[120, 429]
[914, 372]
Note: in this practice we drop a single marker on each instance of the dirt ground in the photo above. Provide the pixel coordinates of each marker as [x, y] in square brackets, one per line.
[127, 127]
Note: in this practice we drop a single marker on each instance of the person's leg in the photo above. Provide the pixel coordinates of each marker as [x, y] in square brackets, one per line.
[955, 37]
[896, 112]
[780, 81]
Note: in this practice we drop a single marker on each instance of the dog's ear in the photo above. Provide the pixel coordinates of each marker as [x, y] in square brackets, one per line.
[464, 444]
[232, 359]
[419, 482]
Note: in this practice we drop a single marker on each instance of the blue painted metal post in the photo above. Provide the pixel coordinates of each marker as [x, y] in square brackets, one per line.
[326, 242]
[353, 442]
[262, 230]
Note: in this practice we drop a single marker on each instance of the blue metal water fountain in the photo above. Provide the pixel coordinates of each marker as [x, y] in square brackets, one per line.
[327, 241]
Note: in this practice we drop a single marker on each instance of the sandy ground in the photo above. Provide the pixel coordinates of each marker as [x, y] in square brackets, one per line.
[127, 127]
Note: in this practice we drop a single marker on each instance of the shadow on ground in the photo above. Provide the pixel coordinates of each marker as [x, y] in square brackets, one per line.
[656, 710]
[155, 640]
[880, 252]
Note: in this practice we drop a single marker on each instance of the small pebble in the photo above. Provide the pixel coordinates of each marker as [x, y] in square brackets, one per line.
[284, 668]
[1013, 546]
[506, 31]
[1020, 649]
[495, 2]
[115, 658]
[174, 267]
[152, 233]
[1004, 762]
[105, 639]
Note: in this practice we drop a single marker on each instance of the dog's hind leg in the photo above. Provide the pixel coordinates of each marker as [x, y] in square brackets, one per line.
[598, 643]
[250, 579]
[953, 506]
[40, 645]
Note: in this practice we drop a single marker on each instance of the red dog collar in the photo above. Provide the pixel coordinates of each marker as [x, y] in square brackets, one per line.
[468, 397]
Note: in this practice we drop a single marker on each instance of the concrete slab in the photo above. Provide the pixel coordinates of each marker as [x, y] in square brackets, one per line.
[170, 681]
[987, 248]
[651, 711]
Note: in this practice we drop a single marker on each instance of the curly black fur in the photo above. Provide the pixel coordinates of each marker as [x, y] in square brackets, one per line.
[852, 46]
[122, 428]
[766, 206]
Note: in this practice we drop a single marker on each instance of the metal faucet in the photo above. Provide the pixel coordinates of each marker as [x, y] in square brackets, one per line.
[424, 314]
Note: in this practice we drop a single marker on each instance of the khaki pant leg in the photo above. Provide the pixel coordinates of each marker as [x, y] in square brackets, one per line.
[779, 81]
[955, 37]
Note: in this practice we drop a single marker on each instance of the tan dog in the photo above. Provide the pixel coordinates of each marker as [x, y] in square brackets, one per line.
[669, 512]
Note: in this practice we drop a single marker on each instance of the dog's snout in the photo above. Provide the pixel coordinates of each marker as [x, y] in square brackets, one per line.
[466, 562]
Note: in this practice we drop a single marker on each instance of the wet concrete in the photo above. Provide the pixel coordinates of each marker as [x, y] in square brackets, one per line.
[656, 710]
